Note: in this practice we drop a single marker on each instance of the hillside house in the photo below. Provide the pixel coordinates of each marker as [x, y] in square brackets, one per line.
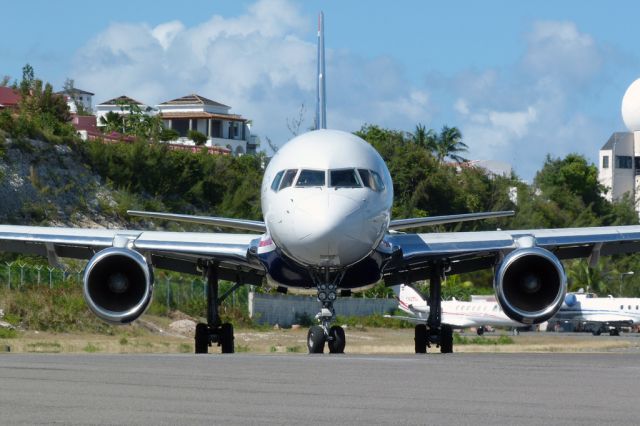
[211, 118]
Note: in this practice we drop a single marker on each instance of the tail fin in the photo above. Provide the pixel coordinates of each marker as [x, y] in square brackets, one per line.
[409, 300]
[321, 92]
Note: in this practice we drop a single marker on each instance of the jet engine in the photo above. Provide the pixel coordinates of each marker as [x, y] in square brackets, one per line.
[530, 285]
[117, 285]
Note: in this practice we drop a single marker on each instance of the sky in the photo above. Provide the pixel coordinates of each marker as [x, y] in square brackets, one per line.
[521, 80]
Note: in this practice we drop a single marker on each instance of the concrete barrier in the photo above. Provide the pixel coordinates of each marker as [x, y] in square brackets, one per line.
[286, 310]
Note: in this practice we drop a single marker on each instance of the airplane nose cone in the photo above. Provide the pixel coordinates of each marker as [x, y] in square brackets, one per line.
[329, 230]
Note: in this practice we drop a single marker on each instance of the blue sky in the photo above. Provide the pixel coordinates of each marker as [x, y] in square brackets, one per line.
[520, 79]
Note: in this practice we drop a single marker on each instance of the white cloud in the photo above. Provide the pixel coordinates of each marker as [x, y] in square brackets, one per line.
[521, 113]
[262, 63]
[557, 50]
[165, 33]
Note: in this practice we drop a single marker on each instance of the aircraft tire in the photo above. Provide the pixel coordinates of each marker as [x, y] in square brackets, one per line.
[316, 339]
[421, 338]
[337, 340]
[480, 331]
[446, 339]
[202, 339]
[596, 331]
[226, 338]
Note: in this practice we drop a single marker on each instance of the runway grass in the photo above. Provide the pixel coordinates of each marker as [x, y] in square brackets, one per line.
[293, 341]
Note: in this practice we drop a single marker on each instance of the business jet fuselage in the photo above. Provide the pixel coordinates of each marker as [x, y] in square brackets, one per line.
[326, 201]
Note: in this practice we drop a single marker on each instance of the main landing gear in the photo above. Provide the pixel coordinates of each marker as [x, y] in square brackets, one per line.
[434, 332]
[214, 331]
[318, 335]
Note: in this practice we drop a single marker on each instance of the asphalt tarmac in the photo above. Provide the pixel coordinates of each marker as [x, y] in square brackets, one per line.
[457, 389]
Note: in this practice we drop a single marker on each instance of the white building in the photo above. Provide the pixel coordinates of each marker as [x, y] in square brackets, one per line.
[76, 97]
[119, 105]
[212, 119]
[619, 158]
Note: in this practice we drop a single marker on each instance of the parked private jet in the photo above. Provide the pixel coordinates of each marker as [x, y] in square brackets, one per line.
[455, 313]
[600, 313]
[326, 203]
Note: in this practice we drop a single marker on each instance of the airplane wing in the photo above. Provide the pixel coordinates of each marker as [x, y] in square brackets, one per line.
[176, 251]
[471, 251]
[417, 222]
[247, 225]
[452, 320]
[612, 319]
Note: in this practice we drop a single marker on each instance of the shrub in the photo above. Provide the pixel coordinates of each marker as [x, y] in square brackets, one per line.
[197, 137]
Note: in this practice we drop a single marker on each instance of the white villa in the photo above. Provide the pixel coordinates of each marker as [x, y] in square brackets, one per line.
[212, 119]
[116, 105]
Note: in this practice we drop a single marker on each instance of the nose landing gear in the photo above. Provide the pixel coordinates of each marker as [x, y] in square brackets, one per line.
[318, 335]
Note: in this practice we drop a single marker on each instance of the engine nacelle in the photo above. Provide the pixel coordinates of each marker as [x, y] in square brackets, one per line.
[118, 283]
[530, 285]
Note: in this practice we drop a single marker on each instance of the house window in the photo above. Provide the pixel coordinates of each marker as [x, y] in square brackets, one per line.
[180, 126]
[623, 161]
[605, 162]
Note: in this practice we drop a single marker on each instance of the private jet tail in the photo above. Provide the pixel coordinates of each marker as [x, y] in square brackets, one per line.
[410, 301]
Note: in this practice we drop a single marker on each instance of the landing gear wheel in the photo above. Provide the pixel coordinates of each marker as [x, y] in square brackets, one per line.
[226, 338]
[336, 340]
[202, 338]
[446, 339]
[421, 339]
[316, 339]
[480, 331]
[596, 331]
[614, 332]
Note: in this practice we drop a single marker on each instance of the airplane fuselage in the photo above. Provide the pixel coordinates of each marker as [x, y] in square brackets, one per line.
[326, 200]
[579, 307]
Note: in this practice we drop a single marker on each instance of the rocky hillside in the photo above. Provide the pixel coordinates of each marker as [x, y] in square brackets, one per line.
[47, 184]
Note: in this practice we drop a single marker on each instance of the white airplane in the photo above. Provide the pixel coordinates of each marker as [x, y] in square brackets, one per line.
[455, 313]
[327, 226]
[602, 313]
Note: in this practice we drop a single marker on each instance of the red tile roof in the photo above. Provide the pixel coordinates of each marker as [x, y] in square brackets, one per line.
[9, 97]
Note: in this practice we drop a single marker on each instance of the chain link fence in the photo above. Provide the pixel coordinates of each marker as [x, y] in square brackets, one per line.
[170, 290]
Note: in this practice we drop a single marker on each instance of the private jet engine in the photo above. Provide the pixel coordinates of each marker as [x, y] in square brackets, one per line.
[530, 285]
[117, 285]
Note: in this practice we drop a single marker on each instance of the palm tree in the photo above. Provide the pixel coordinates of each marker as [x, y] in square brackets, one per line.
[449, 144]
[425, 138]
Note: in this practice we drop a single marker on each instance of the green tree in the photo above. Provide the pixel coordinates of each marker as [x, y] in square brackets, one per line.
[28, 78]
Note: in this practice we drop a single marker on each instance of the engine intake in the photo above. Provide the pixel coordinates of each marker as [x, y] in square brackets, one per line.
[530, 285]
[118, 284]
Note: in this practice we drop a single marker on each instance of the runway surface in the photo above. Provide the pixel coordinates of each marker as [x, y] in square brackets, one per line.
[514, 389]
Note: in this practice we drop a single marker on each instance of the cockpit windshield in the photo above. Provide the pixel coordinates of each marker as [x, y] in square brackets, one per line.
[311, 178]
[371, 179]
[344, 179]
[339, 178]
[287, 179]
